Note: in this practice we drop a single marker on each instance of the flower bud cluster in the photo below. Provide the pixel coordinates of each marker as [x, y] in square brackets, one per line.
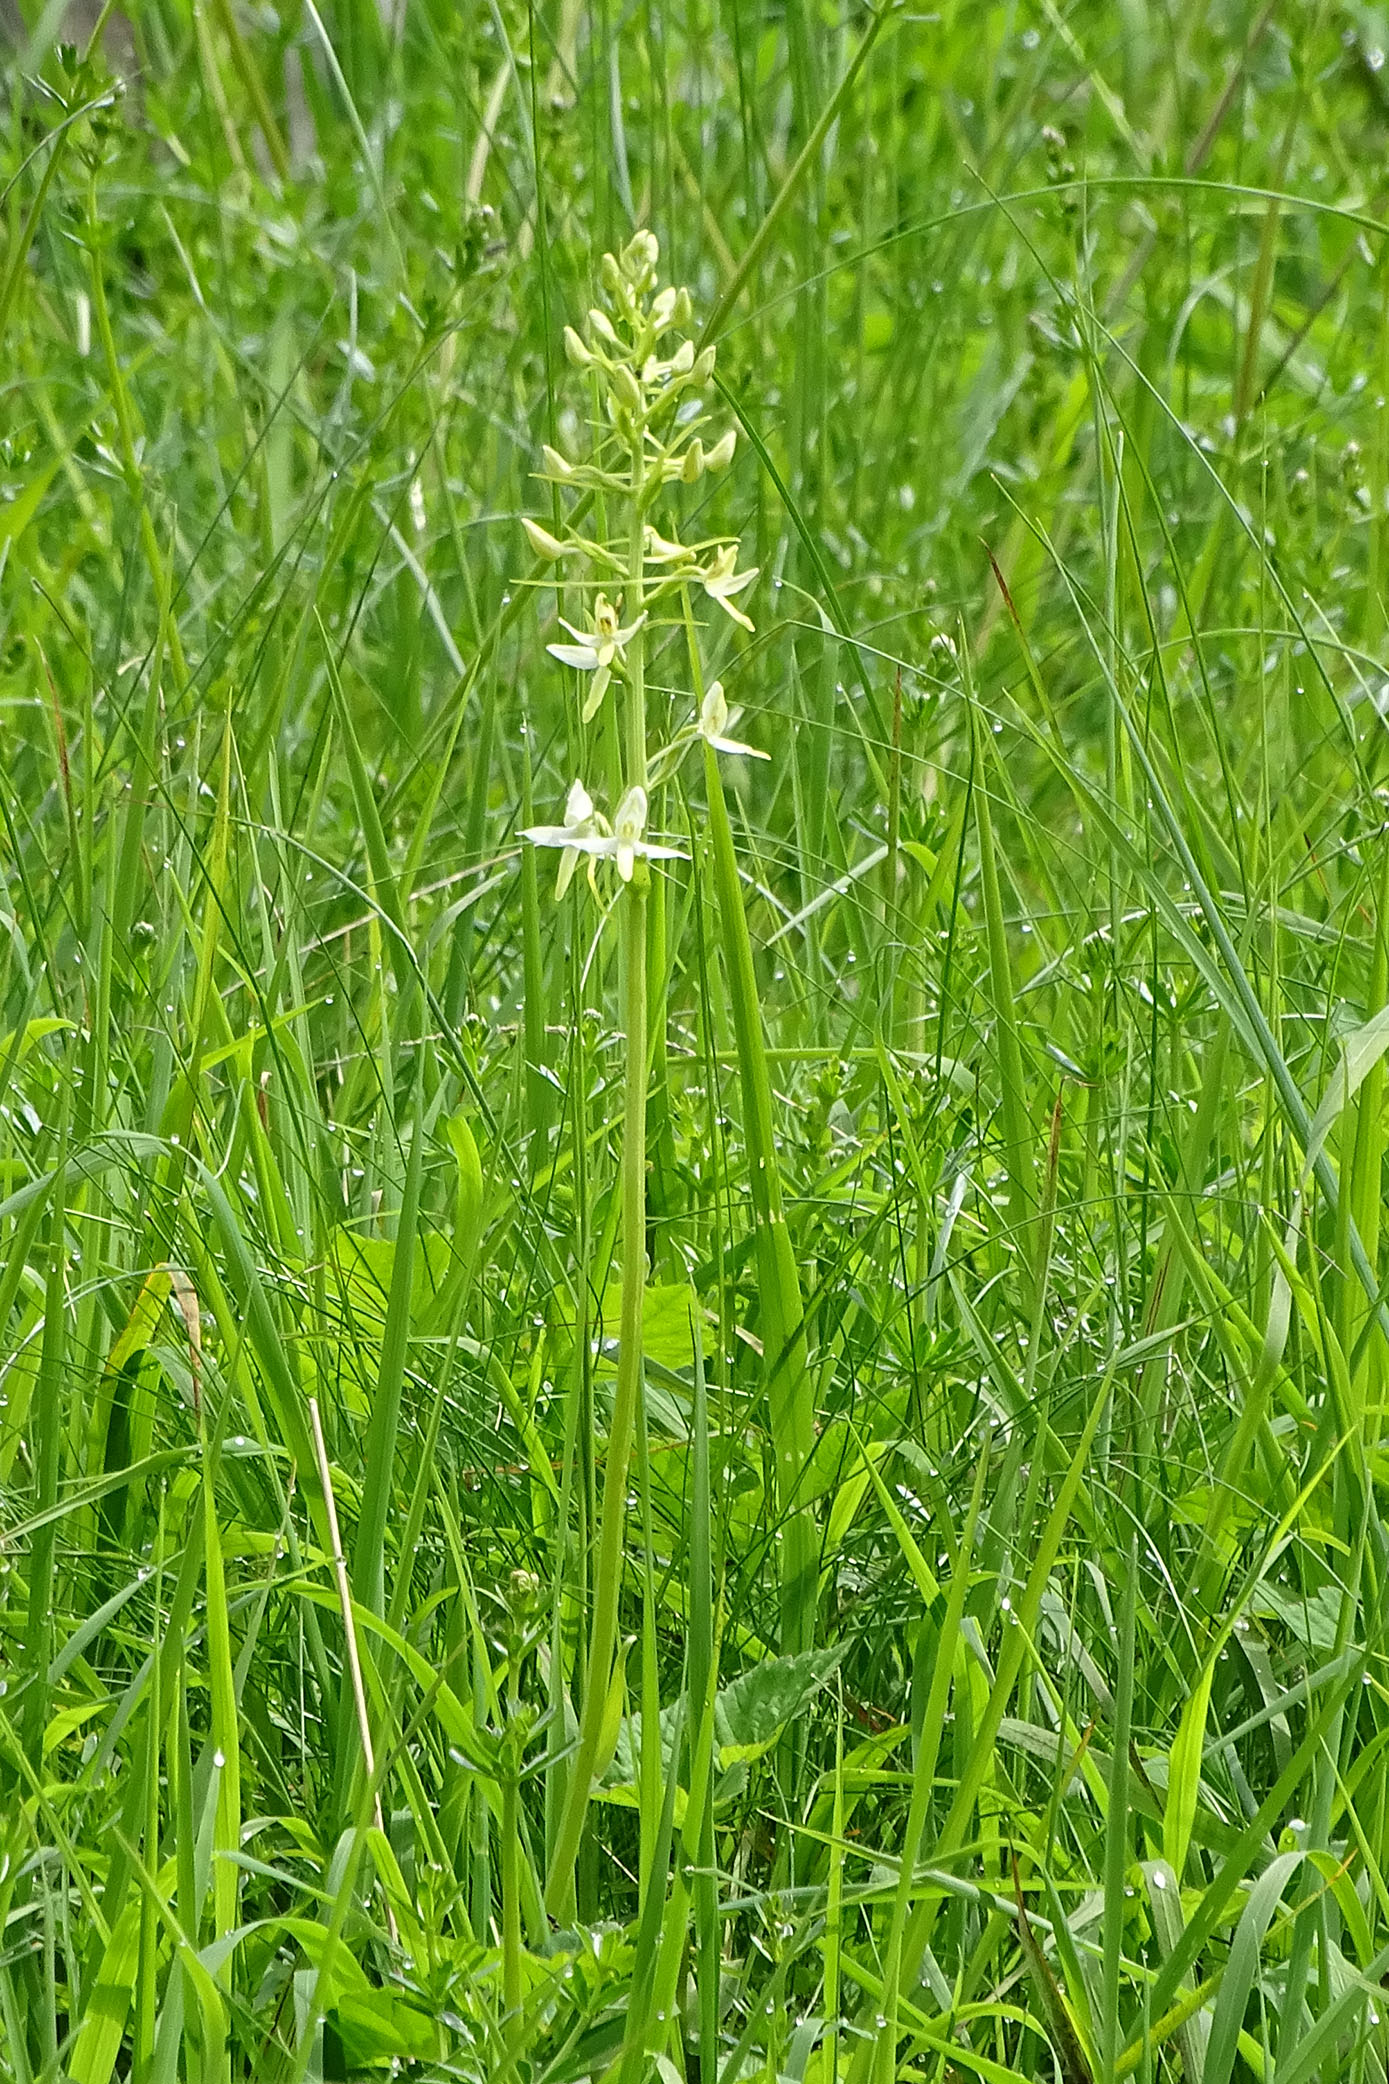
[644, 442]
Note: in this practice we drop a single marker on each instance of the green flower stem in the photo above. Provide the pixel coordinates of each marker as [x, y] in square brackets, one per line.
[626, 1401]
[559, 1892]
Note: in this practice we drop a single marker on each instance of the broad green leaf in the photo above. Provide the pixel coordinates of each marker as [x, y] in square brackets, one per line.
[751, 1712]
[102, 2031]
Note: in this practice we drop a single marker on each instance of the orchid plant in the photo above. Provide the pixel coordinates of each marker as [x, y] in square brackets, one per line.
[649, 437]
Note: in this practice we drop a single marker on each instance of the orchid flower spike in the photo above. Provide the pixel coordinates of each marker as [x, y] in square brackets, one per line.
[716, 720]
[721, 582]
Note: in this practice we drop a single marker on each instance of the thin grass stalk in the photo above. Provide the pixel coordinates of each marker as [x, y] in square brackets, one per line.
[349, 1623]
[703, 1674]
[46, 1428]
[1018, 1156]
[789, 1389]
[1117, 1828]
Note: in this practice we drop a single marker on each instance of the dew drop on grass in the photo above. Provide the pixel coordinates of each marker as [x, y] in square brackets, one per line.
[219, 1758]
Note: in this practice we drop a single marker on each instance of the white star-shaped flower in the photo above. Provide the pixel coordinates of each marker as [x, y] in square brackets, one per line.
[586, 831]
[629, 835]
[582, 827]
[716, 720]
[597, 650]
[721, 582]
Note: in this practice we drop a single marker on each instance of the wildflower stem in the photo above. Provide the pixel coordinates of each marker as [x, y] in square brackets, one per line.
[627, 1399]
[608, 1580]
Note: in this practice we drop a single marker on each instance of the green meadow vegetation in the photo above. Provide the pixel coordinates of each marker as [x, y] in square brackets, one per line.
[694, 993]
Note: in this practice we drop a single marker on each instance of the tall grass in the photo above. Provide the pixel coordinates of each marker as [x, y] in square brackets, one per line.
[990, 1678]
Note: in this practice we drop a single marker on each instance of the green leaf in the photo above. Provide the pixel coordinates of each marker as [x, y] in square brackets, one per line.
[363, 1267]
[666, 1336]
[108, 2007]
[375, 2026]
[468, 1205]
[750, 1714]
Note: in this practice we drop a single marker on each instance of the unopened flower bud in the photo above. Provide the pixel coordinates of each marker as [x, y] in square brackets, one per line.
[713, 713]
[625, 387]
[610, 275]
[721, 455]
[557, 466]
[575, 349]
[692, 464]
[600, 324]
[684, 309]
[541, 541]
[682, 361]
[704, 366]
[639, 259]
[663, 309]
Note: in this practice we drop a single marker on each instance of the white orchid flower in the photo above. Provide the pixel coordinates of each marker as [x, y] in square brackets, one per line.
[629, 835]
[582, 828]
[586, 831]
[716, 720]
[655, 371]
[721, 582]
[595, 651]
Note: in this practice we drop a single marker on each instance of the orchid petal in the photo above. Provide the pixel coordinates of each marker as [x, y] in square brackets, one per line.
[582, 657]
